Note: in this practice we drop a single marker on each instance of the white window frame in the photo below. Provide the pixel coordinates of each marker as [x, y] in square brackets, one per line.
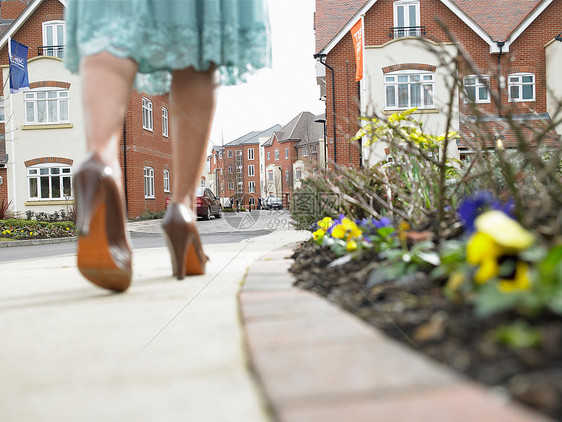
[231, 186]
[480, 82]
[298, 174]
[251, 154]
[56, 34]
[269, 155]
[149, 183]
[166, 175]
[406, 4]
[286, 152]
[286, 175]
[147, 118]
[395, 80]
[240, 187]
[165, 122]
[520, 84]
[2, 111]
[276, 154]
[220, 155]
[230, 154]
[251, 187]
[270, 177]
[64, 171]
[251, 170]
[37, 98]
[305, 151]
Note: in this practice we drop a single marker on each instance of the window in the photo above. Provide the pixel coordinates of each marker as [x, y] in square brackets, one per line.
[44, 107]
[277, 154]
[222, 187]
[239, 169]
[230, 185]
[252, 187]
[146, 114]
[240, 187]
[521, 87]
[407, 89]
[268, 155]
[298, 174]
[304, 151]
[252, 201]
[148, 182]
[251, 170]
[238, 152]
[251, 154]
[220, 155]
[313, 149]
[286, 152]
[270, 176]
[165, 123]
[229, 154]
[230, 170]
[167, 181]
[406, 16]
[53, 38]
[202, 182]
[286, 175]
[477, 88]
[49, 181]
[2, 116]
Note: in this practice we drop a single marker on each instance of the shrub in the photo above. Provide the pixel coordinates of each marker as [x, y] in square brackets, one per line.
[25, 229]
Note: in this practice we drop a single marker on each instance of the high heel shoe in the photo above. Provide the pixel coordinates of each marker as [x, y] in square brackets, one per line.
[183, 241]
[104, 251]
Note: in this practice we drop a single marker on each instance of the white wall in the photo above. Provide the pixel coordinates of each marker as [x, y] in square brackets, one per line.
[399, 51]
[23, 145]
[553, 80]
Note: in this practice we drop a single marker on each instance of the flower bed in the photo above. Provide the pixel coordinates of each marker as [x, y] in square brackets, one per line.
[461, 260]
[13, 229]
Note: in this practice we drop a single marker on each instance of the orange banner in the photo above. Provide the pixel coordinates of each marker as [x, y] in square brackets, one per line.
[357, 35]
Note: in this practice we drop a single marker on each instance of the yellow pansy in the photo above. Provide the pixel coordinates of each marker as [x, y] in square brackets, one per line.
[351, 246]
[347, 230]
[318, 234]
[325, 223]
[521, 279]
[505, 231]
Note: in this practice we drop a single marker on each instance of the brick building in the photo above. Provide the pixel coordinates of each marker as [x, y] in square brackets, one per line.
[42, 130]
[514, 46]
[268, 162]
[236, 167]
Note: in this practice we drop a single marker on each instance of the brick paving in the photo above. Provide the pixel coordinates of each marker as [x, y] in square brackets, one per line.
[316, 362]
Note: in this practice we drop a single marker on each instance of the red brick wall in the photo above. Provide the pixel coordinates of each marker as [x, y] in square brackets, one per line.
[146, 148]
[526, 55]
[285, 163]
[11, 9]
[4, 185]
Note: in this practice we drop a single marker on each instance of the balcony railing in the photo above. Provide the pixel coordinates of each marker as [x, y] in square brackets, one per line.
[406, 31]
[51, 50]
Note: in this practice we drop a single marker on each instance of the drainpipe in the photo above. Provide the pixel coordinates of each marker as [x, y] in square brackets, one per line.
[320, 57]
[500, 45]
[125, 168]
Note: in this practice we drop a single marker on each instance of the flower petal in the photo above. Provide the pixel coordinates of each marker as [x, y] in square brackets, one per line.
[505, 231]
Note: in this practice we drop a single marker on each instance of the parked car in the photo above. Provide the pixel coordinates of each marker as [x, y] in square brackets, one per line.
[273, 203]
[207, 203]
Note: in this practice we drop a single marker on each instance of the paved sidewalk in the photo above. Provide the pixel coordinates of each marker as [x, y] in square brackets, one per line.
[318, 363]
[163, 351]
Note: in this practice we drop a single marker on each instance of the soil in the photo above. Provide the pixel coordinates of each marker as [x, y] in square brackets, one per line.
[416, 312]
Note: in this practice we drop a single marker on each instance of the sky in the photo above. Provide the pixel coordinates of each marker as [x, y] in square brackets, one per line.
[278, 94]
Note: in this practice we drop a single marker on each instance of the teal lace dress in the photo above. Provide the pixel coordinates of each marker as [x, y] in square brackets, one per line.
[164, 35]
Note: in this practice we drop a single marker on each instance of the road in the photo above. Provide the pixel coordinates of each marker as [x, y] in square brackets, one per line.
[231, 228]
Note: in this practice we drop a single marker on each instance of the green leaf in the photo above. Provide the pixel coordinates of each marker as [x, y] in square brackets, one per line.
[490, 300]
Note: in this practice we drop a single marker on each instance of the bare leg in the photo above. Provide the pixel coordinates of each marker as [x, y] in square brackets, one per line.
[106, 86]
[193, 100]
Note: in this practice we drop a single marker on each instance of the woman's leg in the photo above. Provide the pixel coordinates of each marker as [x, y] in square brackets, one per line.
[106, 86]
[192, 99]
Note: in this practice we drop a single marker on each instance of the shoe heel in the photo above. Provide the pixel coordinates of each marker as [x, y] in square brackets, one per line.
[86, 185]
[183, 243]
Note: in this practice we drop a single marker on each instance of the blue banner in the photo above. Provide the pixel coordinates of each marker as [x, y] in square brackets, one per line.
[19, 79]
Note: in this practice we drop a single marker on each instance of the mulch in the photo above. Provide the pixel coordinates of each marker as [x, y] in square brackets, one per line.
[415, 311]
